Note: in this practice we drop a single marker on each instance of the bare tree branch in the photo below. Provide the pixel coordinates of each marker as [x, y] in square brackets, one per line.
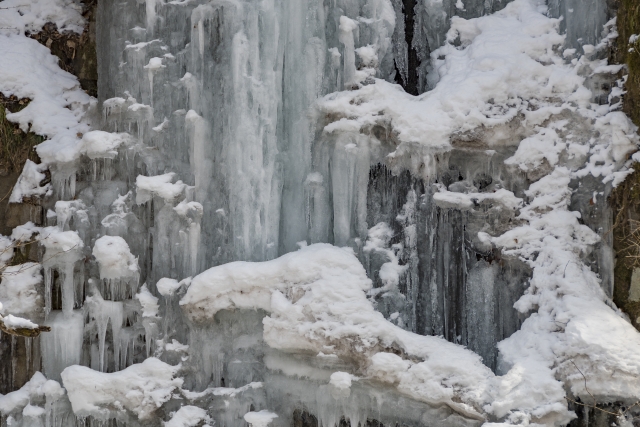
[23, 332]
[594, 405]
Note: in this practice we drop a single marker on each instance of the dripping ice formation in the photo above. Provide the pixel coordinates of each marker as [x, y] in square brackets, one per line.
[254, 224]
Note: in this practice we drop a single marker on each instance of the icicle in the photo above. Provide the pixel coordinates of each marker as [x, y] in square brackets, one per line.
[107, 313]
[347, 26]
[28, 342]
[62, 346]
[63, 250]
[68, 288]
[151, 15]
[48, 285]
[154, 65]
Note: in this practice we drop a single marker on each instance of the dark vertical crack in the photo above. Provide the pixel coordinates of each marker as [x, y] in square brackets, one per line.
[413, 62]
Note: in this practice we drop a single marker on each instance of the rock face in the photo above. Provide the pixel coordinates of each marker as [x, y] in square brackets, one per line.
[625, 199]
[252, 223]
[77, 52]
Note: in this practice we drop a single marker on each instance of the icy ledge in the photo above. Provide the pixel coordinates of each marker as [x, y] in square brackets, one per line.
[141, 388]
[506, 81]
[316, 300]
[576, 334]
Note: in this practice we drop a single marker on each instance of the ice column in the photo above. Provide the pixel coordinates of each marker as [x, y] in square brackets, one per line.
[62, 346]
[347, 26]
[105, 313]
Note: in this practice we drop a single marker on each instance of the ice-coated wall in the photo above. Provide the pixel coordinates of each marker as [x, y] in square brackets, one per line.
[221, 154]
[221, 94]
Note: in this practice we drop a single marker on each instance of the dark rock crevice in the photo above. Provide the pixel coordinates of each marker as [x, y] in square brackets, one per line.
[413, 62]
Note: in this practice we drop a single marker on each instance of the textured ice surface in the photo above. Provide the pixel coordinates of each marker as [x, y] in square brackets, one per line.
[19, 291]
[317, 302]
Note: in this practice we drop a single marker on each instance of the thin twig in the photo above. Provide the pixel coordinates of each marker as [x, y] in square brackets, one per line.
[594, 406]
[617, 414]
[5, 196]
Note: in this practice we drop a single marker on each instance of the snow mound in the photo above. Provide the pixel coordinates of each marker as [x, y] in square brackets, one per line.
[160, 186]
[100, 144]
[31, 15]
[502, 80]
[260, 419]
[37, 388]
[14, 322]
[316, 298]
[140, 389]
[574, 331]
[341, 380]
[28, 183]
[506, 66]
[465, 201]
[58, 242]
[29, 70]
[148, 302]
[115, 258]
[167, 287]
[187, 416]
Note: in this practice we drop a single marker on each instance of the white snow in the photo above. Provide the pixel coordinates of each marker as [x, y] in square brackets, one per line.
[368, 55]
[57, 241]
[506, 67]
[167, 287]
[341, 380]
[28, 183]
[187, 416]
[159, 185]
[7, 247]
[154, 64]
[33, 411]
[140, 389]
[176, 346]
[36, 388]
[378, 240]
[464, 201]
[14, 322]
[62, 250]
[189, 210]
[24, 233]
[507, 82]
[508, 72]
[19, 290]
[573, 326]
[148, 302]
[18, 16]
[29, 70]
[114, 258]
[221, 391]
[68, 210]
[100, 144]
[317, 302]
[260, 419]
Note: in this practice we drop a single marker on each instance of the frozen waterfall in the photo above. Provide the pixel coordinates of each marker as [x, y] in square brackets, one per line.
[309, 212]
